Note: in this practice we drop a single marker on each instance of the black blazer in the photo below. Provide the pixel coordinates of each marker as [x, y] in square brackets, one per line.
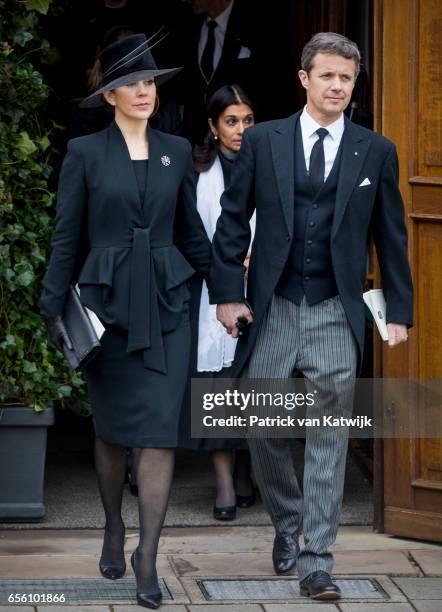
[134, 274]
[230, 69]
[263, 177]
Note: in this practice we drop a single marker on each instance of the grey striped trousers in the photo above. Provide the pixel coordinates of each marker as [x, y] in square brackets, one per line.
[317, 341]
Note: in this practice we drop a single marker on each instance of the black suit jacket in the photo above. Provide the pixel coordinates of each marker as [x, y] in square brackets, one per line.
[263, 177]
[229, 70]
[137, 256]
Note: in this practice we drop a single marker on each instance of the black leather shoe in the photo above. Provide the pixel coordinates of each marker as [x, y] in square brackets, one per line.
[153, 601]
[147, 600]
[285, 552]
[112, 571]
[224, 513]
[319, 585]
[245, 501]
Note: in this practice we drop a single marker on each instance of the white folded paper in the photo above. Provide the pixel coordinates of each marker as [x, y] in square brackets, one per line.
[376, 303]
[96, 323]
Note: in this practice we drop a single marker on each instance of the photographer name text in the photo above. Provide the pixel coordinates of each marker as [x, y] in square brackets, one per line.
[359, 422]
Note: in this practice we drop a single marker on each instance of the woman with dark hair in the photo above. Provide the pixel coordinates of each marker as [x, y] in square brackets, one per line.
[229, 112]
[132, 189]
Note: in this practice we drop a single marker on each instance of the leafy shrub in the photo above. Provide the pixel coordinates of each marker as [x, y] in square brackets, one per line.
[32, 373]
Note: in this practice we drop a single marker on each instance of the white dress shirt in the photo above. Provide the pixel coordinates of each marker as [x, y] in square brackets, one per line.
[220, 33]
[331, 141]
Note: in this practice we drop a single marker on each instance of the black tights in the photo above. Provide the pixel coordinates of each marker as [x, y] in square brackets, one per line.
[154, 471]
[110, 465]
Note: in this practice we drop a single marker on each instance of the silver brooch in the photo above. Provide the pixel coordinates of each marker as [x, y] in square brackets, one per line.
[165, 160]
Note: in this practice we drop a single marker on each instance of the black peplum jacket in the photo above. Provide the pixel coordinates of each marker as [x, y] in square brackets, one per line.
[137, 255]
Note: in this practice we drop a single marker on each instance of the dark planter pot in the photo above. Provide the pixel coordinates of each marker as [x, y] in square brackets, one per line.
[23, 435]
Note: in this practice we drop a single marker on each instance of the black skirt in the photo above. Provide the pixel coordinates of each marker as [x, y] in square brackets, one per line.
[132, 405]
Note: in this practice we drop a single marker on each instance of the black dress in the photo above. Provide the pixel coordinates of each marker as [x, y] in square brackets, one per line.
[149, 420]
[185, 439]
[141, 253]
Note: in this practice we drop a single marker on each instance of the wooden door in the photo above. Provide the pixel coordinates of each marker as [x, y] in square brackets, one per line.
[408, 110]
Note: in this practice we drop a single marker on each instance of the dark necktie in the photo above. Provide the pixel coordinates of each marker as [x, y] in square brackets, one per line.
[317, 161]
[209, 50]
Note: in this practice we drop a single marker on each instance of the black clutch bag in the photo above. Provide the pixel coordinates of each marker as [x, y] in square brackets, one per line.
[81, 330]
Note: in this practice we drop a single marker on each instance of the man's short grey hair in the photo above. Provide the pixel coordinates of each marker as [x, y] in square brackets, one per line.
[333, 44]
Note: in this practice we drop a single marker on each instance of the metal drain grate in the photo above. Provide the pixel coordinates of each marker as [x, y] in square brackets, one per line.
[220, 590]
[78, 590]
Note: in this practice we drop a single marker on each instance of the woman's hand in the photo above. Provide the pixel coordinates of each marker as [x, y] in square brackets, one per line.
[58, 333]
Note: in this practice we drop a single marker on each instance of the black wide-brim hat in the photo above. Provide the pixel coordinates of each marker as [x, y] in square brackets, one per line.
[127, 61]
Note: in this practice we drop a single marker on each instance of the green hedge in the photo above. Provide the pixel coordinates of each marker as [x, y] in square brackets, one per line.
[32, 373]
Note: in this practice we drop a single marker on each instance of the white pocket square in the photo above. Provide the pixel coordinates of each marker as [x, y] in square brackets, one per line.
[365, 182]
[244, 53]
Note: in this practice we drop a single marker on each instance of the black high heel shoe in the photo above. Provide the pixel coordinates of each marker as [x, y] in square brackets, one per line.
[246, 501]
[113, 571]
[224, 513]
[147, 600]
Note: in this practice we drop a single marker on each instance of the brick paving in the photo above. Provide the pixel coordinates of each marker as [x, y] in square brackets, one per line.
[406, 574]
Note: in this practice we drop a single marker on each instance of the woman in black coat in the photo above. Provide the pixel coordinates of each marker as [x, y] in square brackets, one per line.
[133, 190]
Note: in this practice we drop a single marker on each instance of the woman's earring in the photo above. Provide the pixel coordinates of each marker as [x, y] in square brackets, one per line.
[215, 136]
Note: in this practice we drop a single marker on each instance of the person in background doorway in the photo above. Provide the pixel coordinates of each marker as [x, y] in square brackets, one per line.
[220, 51]
[229, 112]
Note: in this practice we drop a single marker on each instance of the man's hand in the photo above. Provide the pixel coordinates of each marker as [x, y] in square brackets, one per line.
[397, 333]
[228, 314]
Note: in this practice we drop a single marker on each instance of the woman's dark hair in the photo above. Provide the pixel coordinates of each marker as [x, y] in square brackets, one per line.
[204, 155]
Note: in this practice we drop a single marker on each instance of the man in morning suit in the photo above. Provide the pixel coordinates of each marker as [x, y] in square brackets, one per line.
[219, 54]
[322, 187]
